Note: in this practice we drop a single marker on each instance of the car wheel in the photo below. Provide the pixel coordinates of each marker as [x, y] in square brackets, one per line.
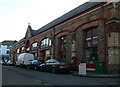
[41, 69]
[35, 68]
[54, 70]
[20, 66]
[68, 71]
[28, 67]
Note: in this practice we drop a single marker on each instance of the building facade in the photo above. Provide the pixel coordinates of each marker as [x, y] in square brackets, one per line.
[5, 49]
[88, 33]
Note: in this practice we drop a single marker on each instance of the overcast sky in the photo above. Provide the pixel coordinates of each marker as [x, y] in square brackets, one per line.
[16, 14]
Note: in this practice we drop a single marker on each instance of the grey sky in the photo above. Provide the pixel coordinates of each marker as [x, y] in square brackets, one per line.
[16, 14]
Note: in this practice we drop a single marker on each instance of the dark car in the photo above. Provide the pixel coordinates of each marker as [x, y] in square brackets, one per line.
[55, 66]
[35, 64]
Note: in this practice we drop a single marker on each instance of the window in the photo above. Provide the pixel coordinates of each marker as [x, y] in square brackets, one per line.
[45, 43]
[91, 54]
[8, 52]
[28, 49]
[18, 50]
[94, 42]
[34, 46]
[23, 48]
[88, 33]
[94, 31]
[8, 46]
[90, 46]
[91, 37]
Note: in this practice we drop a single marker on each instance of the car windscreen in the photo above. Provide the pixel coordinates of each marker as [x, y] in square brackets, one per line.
[52, 61]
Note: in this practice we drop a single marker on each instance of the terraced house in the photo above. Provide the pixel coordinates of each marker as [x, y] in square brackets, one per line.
[88, 33]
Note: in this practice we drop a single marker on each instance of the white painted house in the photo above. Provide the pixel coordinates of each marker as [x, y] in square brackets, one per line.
[5, 49]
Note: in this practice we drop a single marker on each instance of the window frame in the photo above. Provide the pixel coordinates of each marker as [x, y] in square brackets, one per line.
[92, 46]
[46, 42]
[34, 45]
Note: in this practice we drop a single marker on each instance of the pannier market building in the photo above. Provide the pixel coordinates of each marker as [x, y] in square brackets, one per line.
[88, 33]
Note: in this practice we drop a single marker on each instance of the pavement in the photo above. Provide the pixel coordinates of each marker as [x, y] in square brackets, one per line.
[95, 75]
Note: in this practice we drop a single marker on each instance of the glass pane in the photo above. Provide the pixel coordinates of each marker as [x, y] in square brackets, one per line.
[18, 50]
[88, 52]
[47, 42]
[7, 52]
[42, 43]
[94, 54]
[94, 31]
[91, 54]
[50, 43]
[95, 37]
[88, 43]
[22, 48]
[34, 45]
[88, 33]
[64, 55]
[94, 42]
[88, 38]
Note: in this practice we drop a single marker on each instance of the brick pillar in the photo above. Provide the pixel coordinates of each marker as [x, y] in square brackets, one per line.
[73, 54]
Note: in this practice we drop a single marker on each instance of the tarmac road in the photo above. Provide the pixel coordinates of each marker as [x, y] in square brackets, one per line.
[12, 75]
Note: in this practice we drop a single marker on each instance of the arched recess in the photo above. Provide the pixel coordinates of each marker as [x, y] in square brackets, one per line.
[59, 47]
[62, 33]
[45, 48]
[87, 33]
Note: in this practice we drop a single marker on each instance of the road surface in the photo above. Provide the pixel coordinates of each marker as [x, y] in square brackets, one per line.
[12, 75]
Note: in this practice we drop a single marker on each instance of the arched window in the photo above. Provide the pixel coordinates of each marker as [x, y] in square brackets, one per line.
[22, 48]
[34, 46]
[45, 43]
[18, 50]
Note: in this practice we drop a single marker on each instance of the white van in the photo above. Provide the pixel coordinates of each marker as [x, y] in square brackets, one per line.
[24, 59]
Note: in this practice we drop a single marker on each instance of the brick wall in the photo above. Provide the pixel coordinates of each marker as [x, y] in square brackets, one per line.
[74, 31]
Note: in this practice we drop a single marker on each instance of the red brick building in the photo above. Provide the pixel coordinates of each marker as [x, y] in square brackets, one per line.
[88, 33]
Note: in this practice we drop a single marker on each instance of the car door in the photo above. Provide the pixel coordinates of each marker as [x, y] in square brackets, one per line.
[51, 64]
[48, 66]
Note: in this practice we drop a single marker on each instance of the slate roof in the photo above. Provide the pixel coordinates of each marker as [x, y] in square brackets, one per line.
[68, 15]
[34, 32]
[63, 18]
[21, 40]
[8, 42]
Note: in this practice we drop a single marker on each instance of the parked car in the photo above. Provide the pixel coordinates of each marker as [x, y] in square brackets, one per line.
[35, 64]
[4, 62]
[1, 62]
[9, 63]
[55, 66]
